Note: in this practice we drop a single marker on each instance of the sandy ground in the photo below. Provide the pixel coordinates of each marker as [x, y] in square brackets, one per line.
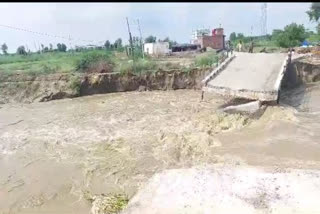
[52, 154]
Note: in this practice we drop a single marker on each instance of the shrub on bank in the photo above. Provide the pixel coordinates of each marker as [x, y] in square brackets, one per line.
[207, 59]
[91, 59]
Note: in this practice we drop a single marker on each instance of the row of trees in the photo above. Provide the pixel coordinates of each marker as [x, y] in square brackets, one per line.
[116, 45]
[292, 34]
[61, 47]
[21, 50]
[153, 39]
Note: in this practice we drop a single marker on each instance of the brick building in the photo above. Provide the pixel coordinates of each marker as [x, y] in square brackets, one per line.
[215, 41]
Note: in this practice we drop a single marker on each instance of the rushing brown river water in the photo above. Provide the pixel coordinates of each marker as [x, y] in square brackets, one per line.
[53, 154]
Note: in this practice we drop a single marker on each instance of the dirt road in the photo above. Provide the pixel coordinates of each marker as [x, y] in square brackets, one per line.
[53, 154]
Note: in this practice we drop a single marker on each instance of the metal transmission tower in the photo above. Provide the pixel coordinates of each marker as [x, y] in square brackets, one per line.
[264, 19]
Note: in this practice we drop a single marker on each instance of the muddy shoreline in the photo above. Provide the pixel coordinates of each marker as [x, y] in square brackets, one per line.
[22, 88]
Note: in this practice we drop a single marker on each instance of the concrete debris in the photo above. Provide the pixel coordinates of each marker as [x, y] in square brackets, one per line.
[251, 108]
[226, 190]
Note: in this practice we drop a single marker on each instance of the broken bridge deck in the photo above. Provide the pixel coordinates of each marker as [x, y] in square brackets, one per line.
[249, 75]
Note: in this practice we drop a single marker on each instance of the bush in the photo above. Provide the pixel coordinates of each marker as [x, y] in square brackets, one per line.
[140, 65]
[75, 84]
[207, 59]
[291, 36]
[89, 60]
[47, 68]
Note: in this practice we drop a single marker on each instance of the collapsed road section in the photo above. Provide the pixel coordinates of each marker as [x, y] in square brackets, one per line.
[253, 76]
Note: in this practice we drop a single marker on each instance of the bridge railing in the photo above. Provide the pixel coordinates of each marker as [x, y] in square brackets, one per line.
[218, 69]
[282, 72]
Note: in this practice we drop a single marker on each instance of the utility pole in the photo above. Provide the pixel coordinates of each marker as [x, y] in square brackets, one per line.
[264, 19]
[141, 39]
[35, 46]
[70, 43]
[39, 47]
[27, 49]
[131, 45]
[130, 37]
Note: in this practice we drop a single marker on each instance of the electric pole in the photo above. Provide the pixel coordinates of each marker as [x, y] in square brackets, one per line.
[70, 43]
[131, 45]
[264, 19]
[130, 38]
[141, 39]
[35, 46]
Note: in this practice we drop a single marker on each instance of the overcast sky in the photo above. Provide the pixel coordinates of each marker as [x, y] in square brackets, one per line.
[101, 21]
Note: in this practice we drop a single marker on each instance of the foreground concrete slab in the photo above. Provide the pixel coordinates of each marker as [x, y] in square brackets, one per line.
[250, 108]
[227, 190]
[253, 76]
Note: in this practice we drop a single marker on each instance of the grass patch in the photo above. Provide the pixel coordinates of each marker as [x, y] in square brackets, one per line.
[117, 203]
[37, 63]
[206, 60]
[108, 204]
[61, 62]
[138, 66]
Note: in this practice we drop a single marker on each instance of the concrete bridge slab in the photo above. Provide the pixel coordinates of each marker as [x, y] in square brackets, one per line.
[252, 76]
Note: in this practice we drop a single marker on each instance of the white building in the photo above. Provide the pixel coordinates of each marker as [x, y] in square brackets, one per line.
[158, 48]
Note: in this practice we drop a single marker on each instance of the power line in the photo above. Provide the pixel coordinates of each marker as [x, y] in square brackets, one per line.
[43, 34]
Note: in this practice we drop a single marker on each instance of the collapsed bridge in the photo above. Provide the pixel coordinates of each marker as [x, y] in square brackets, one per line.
[255, 76]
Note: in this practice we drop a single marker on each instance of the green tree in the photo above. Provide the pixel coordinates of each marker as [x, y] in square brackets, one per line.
[59, 47]
[314, 14]
[151, 39]
[107, 44]
[233, 36]
[4, 48]
[166, 39]
[63, 47]
[21, 50]
[291, 36]
[276, 32]
[171, 42]
[240, 36]
[51, 46]
[118, 43]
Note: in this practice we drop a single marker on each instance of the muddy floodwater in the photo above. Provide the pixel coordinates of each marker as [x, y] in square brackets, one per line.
[53, 154]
